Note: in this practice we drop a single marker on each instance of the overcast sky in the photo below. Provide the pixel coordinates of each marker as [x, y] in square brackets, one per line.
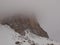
[47, 12]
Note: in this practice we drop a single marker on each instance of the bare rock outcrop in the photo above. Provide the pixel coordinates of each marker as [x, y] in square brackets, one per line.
[21, 23]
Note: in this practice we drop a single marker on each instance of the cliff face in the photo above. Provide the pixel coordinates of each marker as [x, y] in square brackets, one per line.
[21, 23]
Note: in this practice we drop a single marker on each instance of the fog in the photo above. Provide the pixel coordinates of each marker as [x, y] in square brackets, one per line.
[46, 11]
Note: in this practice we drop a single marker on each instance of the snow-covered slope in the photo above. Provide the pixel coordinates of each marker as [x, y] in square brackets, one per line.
[9, 37]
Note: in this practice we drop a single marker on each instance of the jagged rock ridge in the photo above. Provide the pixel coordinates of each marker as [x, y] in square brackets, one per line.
[21, 23]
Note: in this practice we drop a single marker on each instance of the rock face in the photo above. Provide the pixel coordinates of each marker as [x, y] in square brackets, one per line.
[21, 23]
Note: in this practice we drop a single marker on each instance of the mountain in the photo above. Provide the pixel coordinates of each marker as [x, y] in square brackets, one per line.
[21, 23]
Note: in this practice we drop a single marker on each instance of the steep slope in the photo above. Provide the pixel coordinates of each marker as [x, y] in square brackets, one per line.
[21, 23]
[9, 37]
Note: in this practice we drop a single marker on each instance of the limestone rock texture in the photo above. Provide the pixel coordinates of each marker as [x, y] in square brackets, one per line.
[20, 23]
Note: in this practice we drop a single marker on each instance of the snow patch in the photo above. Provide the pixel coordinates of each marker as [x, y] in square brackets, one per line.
[9, 37]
